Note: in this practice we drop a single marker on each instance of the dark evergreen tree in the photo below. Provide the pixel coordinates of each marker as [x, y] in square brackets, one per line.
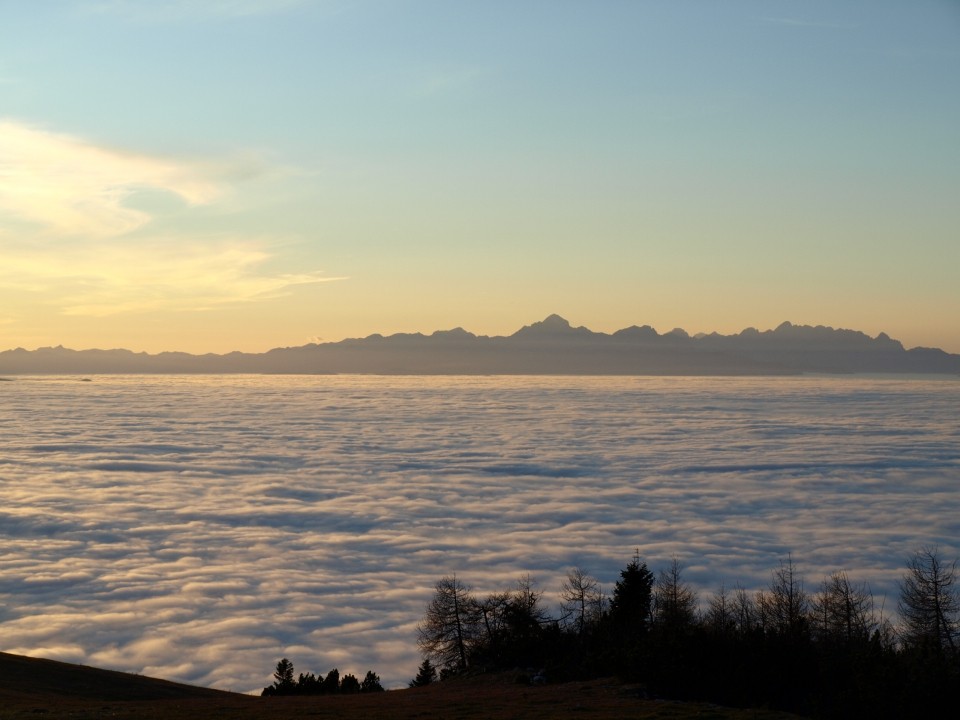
[331, 683]
[283, 675]
[349, 684]
[283, 682]
[371, 683]
[630, 604]
[426, 674]
[308, 684]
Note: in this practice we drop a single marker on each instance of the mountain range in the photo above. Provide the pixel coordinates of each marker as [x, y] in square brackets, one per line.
[548, 347]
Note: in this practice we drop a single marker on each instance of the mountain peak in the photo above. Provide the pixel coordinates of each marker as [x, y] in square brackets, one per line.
[551, 326]
[554, 321]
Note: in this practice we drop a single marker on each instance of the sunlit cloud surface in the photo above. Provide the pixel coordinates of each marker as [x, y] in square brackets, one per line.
[201, 528]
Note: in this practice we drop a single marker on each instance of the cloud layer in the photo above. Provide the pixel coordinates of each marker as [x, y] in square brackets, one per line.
[200, 528]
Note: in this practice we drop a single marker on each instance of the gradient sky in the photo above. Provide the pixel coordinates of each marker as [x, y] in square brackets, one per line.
[245, 174]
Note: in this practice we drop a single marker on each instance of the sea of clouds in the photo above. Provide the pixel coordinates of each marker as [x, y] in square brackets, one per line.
[200, 528]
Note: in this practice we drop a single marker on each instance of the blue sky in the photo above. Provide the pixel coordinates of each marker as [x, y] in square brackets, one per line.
[245, 174]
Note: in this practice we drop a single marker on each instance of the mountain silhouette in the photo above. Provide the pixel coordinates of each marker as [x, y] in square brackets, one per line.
[550, 346]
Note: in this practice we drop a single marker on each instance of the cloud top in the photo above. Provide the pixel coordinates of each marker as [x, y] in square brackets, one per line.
[200, 528]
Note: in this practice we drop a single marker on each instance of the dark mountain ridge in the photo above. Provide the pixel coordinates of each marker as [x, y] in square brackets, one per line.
[549, 347]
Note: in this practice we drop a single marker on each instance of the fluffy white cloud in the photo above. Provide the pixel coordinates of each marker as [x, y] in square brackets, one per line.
[201, 528]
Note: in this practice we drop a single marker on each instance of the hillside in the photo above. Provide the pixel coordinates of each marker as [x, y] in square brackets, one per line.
[31, 688]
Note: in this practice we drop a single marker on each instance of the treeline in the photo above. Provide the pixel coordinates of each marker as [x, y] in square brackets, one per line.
[825, 653]
[310, 684]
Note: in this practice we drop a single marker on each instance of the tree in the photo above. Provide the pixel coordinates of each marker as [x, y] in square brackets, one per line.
[744, 611]
[719, 617]
[580, 600]
[493, 616]
[674, 601]
[525, 601]
[349, 684]
[630, 604]
[283, 682]
[449, 625]
[331, 683]
[787, 602]
[842, 610]
[371, 683]
[929, 603]
[426, 674]
[308, 684]
[283, 675]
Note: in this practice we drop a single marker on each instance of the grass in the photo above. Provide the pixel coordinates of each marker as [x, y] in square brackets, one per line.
[32, 688]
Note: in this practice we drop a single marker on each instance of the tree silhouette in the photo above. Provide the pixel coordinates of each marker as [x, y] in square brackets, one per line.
[630, 604]
[331, 683]
[349, 684]
[449, 625]
[426, 674]
[842, 611]
[674, 601]
[283, 682]
[371, 683]
[580, 600]
[929, 604]
[787, 602]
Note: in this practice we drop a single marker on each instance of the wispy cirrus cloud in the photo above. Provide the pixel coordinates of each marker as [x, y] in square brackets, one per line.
[113, 277]
[76, 234]
[64, 185]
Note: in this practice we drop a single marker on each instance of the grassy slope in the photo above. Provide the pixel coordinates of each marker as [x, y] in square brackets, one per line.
[31, 688]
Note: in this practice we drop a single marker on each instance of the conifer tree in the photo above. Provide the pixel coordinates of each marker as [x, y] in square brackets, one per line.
[630, 604]
[426, 674]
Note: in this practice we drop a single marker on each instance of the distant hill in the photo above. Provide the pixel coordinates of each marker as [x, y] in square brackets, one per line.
[31, 688]
[549, 347]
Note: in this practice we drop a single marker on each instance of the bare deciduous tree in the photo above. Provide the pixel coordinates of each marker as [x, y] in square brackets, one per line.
[788, 602]
[580, 600]
[842, 610]
[929, 604]
[674, 601]
[449, 624]
[720, 616]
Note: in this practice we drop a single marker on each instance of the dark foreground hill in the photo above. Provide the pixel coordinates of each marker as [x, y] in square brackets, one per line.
[549, 347]
[31, 688]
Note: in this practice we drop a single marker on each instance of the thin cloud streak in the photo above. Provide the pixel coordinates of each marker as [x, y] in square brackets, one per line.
[71, 187]
[176, 274]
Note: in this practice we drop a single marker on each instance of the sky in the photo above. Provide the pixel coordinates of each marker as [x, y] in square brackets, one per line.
[248, 174]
